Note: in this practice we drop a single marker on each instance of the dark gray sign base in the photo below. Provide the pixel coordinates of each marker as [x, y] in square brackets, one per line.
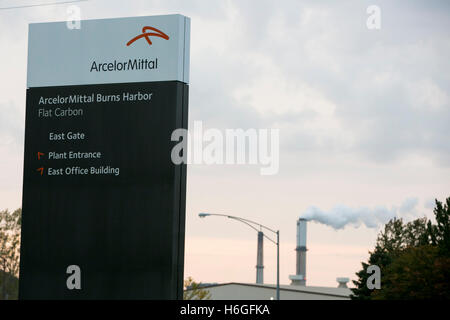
[121, 221]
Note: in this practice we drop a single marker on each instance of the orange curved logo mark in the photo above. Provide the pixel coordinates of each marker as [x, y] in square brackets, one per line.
[147, 35]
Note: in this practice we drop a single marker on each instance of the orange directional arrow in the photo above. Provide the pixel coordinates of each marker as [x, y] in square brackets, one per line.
[40, 154]
[41, 169]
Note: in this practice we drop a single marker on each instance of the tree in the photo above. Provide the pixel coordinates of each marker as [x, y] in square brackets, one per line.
[417, 273]
[194, 291]
[395, 237]
[439, 234]
[413, 258]
[10, 224]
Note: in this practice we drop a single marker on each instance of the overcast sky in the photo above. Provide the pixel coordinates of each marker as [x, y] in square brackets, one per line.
[363, 117]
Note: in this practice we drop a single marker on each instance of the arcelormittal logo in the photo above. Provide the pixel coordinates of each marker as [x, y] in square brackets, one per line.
[146, 34]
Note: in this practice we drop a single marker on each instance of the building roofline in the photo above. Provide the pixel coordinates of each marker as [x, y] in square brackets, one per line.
[274, 288]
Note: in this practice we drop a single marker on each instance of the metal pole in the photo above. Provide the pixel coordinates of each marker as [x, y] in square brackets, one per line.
[249, 223]
[278, 264]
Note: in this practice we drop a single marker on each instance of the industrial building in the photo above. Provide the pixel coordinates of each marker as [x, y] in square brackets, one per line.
[297, 290]
[256, 291]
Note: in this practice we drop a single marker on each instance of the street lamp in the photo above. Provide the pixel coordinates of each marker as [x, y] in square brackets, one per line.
[252, 224]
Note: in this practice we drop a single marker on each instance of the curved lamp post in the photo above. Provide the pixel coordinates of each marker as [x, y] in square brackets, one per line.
[252, 225]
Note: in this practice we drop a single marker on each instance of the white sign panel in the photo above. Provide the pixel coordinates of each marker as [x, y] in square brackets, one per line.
[137, 49]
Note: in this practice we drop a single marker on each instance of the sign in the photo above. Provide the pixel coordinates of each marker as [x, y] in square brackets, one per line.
[103, 204]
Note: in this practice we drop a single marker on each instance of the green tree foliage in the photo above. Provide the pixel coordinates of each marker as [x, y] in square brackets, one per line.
[413, 258]
[193, 291]
[9, 253]
[417, 273]
[439, 234]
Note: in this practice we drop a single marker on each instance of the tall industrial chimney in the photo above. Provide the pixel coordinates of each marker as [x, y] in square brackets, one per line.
[259, 259]
[299, 278]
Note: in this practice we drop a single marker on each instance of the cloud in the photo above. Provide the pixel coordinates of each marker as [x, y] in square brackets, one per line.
[408, 205]
[430, 204]
[383, 92]
[11, 126]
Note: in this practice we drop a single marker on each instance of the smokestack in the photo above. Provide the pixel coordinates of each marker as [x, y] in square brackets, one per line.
[299, 278]
[259, 259]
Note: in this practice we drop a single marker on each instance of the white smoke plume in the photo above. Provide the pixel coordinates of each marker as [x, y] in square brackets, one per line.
[341, 216]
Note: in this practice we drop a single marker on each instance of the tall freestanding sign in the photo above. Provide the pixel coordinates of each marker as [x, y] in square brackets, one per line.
[103, 204]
